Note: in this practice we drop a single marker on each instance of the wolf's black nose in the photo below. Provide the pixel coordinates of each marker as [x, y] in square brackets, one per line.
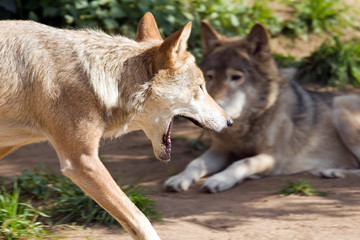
[229, 122]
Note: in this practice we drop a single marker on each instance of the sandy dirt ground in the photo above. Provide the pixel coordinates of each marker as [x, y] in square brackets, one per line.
[251, 210]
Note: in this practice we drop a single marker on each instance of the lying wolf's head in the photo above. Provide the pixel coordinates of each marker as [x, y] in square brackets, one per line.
[240, 72]
[177, 88]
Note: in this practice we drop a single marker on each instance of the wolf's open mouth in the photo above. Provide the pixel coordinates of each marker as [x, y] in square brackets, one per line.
[167, 136]
[167, 139]
[194, 121]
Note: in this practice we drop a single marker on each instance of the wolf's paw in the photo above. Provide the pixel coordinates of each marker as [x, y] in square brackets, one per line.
[218, 183]
[179, 182]
[329, 173]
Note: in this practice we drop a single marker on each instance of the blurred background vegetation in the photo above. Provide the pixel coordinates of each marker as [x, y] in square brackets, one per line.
[298, 19]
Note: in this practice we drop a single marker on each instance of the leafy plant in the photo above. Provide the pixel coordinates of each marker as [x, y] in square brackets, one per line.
[299, 187]
[335, 63]
[66, 202]
[233, 17]
[237, 17]
[285, 60]
[138, 196]
[73, 205]
[318, 16]
[38, 183]
[114, 16]
[18, 220]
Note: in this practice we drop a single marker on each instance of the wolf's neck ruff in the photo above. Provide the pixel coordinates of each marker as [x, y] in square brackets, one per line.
[117, 59]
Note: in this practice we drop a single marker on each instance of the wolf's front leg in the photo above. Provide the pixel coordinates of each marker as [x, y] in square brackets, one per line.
[96, 181]
[238, 171]
[212, 161]
[80, 162]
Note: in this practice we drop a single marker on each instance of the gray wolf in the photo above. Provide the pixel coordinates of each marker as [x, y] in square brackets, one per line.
[279, 126]
[73, 87]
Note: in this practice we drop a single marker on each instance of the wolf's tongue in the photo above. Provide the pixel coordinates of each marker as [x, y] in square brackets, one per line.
[167, 139]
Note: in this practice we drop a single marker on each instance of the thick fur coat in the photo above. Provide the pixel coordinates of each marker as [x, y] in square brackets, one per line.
[73, 87]
[280, 127]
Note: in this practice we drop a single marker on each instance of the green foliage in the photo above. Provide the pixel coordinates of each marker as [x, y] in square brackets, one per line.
[335, 63]
[300, 187]
[230, 17]
[18, 220]
[138, 196]
[318, 16]
[234, 17]
[65, 202]
[105, 14]
[73, 205]
[237, 17]
[285, 60]
[114, 16]
[38, 183]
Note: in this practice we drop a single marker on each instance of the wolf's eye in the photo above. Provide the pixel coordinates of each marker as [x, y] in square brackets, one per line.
[209, 75]
[202, 87]
[236, 77]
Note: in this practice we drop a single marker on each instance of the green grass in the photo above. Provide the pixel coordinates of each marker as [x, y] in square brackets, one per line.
[19, 220]
[65, 202]
[335, 63]
[73, 205]
[229, 17]
[299, 187]
[319, 16]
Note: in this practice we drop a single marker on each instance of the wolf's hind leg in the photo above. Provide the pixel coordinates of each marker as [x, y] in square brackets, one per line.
[346, 118]
[212, 161]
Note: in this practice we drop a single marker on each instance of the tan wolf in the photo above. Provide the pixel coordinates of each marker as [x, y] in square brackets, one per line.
[279, 127]
[74, 87]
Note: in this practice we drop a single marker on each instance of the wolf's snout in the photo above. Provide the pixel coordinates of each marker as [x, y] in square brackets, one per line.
[229, 122]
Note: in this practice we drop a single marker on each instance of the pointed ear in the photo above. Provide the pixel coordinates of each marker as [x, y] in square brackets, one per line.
[172, 52]
[210, 38]
[147, 29]
[258, 40]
